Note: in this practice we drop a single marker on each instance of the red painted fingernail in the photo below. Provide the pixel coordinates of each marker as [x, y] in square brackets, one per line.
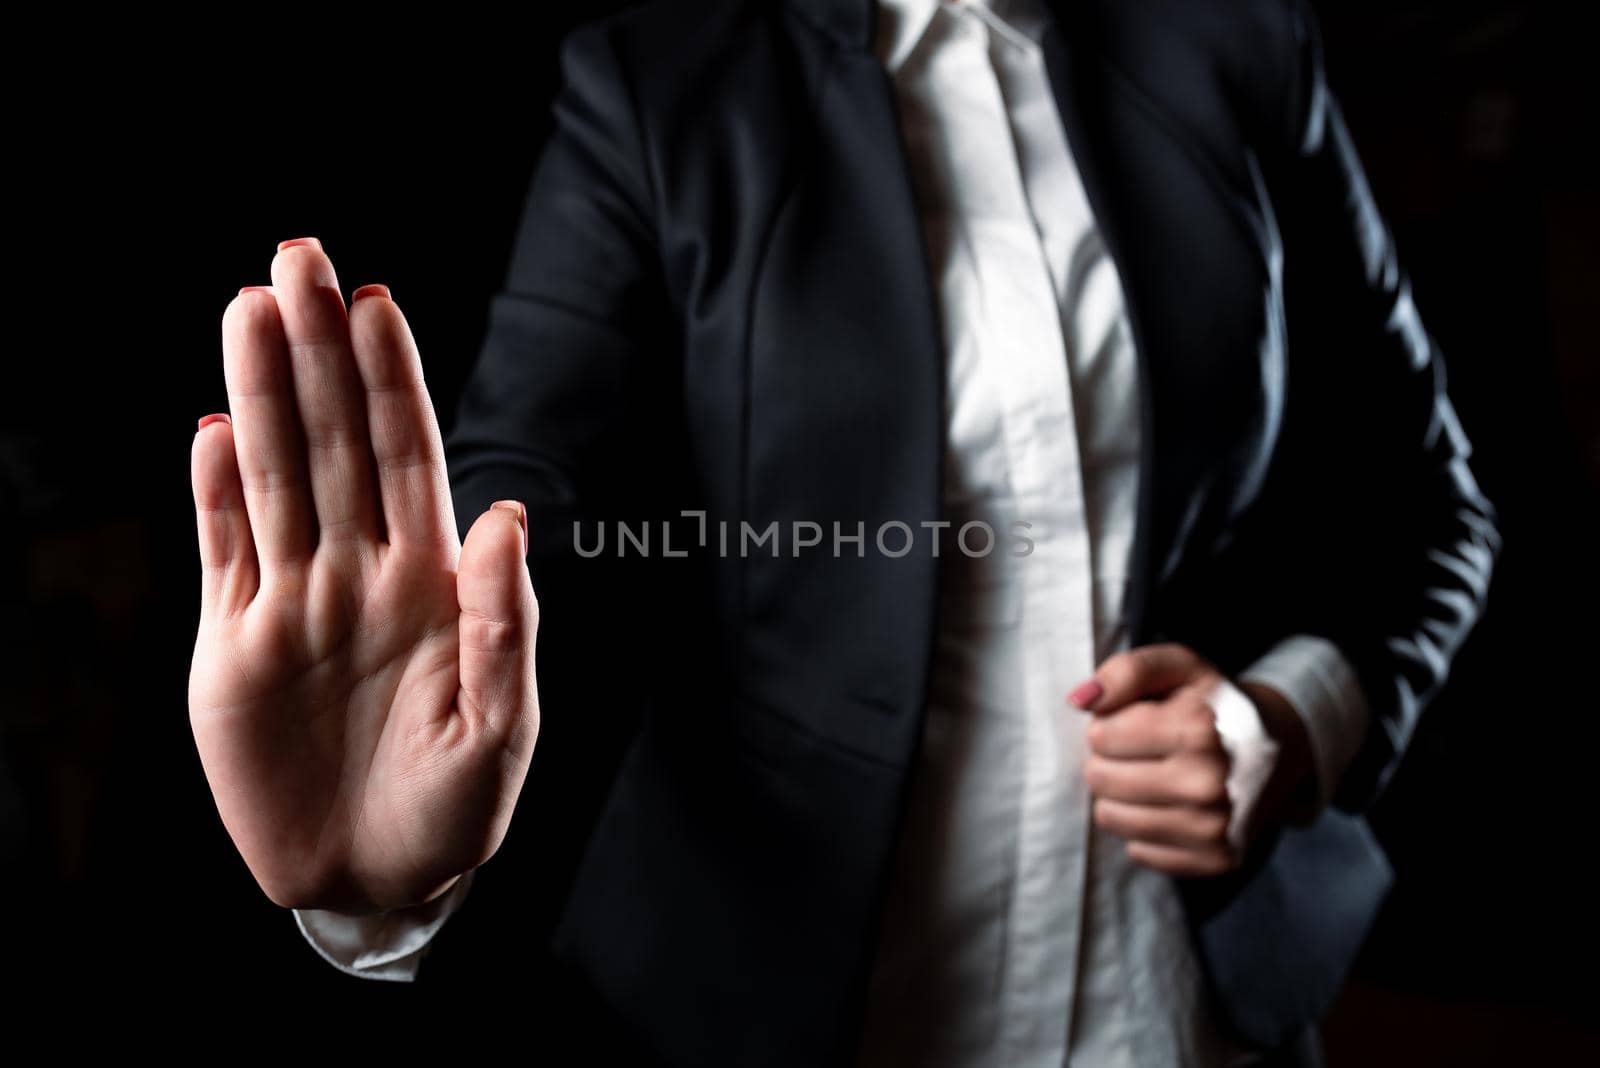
[373, 290]
[1086, 694]
[313, 242]
[516, 508]
[255, 289]
[218, 417]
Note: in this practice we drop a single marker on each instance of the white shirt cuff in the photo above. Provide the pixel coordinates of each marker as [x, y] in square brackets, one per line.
[1323, 688]
[1252, 754]
[383, 945]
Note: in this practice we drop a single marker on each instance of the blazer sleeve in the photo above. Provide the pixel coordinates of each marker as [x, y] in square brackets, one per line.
[574, 373]
[1394, 541]
[578, 314]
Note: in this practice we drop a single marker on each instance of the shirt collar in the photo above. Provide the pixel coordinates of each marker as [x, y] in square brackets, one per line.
[903, 23]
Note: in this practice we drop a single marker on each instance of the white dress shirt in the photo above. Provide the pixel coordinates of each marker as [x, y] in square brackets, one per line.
[1015, 933]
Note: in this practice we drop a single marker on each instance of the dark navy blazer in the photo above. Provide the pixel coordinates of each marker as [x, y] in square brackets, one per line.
[719, 301]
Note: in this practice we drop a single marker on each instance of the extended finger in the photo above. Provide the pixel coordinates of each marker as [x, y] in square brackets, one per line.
[406, 446]
[229, 574]
[327, 388]
[268, 443]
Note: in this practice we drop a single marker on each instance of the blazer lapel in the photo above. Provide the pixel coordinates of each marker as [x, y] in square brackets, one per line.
[1078, 91]
[845, 410]
[848, 282]
[1194, 262]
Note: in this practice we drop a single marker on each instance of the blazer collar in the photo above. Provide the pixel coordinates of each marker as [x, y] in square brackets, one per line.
[855, 24]
[901, 25]
[850, 23]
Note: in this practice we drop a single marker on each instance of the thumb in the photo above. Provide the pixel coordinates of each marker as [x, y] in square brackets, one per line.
[499, 621]
[1145, 671]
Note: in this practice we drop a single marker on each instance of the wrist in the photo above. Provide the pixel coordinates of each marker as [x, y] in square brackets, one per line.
[444, 888]
[356, 907]
[1291, 793]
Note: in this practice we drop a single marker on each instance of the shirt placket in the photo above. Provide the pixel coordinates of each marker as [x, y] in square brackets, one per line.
[1014, 318]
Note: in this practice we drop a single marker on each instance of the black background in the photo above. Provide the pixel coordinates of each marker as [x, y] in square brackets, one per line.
[159, 164]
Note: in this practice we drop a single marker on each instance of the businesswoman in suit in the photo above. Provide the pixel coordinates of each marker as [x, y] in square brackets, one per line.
[722, 302]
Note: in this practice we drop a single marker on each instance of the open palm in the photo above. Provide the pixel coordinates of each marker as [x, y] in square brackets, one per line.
[362, 692]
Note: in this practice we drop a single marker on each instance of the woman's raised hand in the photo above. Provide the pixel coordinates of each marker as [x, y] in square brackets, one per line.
[362, 692]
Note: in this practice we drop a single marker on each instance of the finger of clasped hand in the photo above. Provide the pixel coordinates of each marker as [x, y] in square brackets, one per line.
[1157, 767]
